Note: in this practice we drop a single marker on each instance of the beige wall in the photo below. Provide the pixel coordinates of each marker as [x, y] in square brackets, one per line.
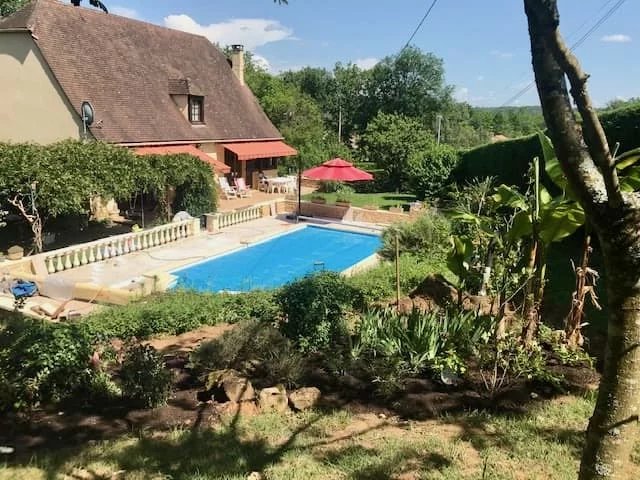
[32, 105]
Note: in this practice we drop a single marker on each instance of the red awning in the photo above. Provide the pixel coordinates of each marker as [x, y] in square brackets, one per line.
[217, 165]
[253, 150]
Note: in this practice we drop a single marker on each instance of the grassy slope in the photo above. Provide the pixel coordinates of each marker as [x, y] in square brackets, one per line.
[544, 444]
[382, 200]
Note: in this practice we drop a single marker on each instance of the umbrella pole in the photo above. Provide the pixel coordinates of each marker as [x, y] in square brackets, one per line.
[299, 189]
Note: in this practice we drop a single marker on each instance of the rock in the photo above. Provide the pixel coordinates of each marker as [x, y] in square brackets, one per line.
[245, 409]
[418, 385]
[255, 476]
[273, 399]
[304, 398]
[351, 382]
[230, 385]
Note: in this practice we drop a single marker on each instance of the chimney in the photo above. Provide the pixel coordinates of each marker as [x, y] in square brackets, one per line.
[237, 62]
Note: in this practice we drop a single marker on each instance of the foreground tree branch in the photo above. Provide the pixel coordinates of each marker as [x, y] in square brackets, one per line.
[585, 159]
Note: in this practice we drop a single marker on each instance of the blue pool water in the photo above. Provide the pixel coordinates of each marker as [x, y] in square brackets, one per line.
[279, 260]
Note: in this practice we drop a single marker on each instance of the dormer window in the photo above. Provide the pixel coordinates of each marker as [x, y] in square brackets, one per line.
[196, 109]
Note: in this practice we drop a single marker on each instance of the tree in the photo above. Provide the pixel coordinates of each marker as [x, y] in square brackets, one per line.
[614, 215]
[7, 7]
[410, 83]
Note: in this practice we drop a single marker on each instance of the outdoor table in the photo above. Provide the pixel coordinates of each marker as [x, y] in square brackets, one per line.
[278, 183]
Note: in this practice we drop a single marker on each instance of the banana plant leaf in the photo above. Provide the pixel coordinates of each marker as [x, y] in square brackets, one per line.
[559, 219]
[510, 197]
[627, 159]
[460, 256]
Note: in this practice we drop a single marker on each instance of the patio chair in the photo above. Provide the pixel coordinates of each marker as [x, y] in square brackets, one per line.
[227, 190]
[241, 188]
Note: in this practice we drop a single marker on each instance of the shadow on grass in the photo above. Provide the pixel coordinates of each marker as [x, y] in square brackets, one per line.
[361, 463]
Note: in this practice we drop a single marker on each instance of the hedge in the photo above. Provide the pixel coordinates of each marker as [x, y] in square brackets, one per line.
[509, 160]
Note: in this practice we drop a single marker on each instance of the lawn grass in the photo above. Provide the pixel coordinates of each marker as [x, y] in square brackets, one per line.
[543, 444]
[381, 200]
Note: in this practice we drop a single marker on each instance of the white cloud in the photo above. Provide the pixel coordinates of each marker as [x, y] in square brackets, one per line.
[501, 54]
[461, 94]
[124, 12]
[366, 63]
[250, 32]
[261, 62]
[616, 38]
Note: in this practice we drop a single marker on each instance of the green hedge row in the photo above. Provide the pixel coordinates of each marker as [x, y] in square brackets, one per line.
[509, 161]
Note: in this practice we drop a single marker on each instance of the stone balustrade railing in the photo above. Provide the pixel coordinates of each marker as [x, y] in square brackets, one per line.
[221, 220]
[118, 245]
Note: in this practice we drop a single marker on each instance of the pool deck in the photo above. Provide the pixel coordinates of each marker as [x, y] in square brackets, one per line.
[126, 270]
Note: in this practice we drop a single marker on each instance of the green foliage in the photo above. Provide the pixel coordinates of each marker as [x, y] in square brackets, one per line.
[43, 363]
[390, 346]
[427, 236]
[255, 349]
[7, 7]
[407, 155]
[509, 160]
[314, 309]
[145, 381]
[67, 174]
[178, 312]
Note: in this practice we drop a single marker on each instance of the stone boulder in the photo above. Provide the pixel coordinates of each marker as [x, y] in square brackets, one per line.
[304, 398]
[229, 385]
[244, 409]
[273, 399]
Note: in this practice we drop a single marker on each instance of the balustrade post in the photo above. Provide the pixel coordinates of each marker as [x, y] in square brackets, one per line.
[51, 267]
[76, 259]
[67, 260]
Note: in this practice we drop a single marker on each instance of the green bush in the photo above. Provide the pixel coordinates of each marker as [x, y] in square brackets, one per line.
[178, 312]
[145, 381]
[427, 236]
[43, 363]
[509, 161]
[378, 284]
[388, 347]
[314, 309]
[255, 349]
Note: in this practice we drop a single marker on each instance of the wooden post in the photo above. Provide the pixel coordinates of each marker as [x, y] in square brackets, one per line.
[397, 272]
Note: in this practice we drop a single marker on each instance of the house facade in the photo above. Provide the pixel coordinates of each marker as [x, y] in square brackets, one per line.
[150, 88]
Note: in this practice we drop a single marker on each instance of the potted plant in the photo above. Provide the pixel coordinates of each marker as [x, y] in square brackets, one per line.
[318, 199]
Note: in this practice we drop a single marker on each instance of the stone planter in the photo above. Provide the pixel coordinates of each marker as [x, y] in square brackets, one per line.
[319, 201]
[343, 204]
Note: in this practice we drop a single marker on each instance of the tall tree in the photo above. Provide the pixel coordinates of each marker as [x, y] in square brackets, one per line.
[585, 158]
[7, 7]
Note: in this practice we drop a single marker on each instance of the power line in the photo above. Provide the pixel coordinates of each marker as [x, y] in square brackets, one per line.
[433, 4]
[579, 42]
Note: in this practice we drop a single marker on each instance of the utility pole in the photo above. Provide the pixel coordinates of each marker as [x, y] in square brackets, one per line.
[340, 124]
[439, 127]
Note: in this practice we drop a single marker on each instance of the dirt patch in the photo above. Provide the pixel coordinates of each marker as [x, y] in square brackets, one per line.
[187, 342]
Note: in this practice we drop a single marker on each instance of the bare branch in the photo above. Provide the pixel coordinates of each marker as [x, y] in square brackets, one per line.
[585, 179]
[591, 128]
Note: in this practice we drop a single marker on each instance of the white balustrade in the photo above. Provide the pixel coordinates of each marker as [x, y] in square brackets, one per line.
[228, 219]
[92, 252]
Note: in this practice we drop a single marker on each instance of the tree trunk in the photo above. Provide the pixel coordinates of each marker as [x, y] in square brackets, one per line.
[615, 217]
[613, 428]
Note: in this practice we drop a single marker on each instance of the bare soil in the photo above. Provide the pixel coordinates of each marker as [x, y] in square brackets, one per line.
[190, 407]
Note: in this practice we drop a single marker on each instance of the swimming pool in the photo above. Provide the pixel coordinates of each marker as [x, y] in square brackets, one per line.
[274, 262]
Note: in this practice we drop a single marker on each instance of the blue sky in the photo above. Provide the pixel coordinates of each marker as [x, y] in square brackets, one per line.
[484, 43]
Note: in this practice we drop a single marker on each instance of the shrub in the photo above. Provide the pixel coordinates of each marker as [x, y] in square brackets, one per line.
[428, 236]
[509, 161]
[145, 381]
[181, 311]
[314, 308]
[257, 350]
[43, 363]
[329, 186]
[378, 284]
[388, 346]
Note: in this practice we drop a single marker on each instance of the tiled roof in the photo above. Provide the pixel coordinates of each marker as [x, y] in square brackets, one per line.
[127, 68]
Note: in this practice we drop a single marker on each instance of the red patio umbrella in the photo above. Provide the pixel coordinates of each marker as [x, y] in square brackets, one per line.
[338, 170]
